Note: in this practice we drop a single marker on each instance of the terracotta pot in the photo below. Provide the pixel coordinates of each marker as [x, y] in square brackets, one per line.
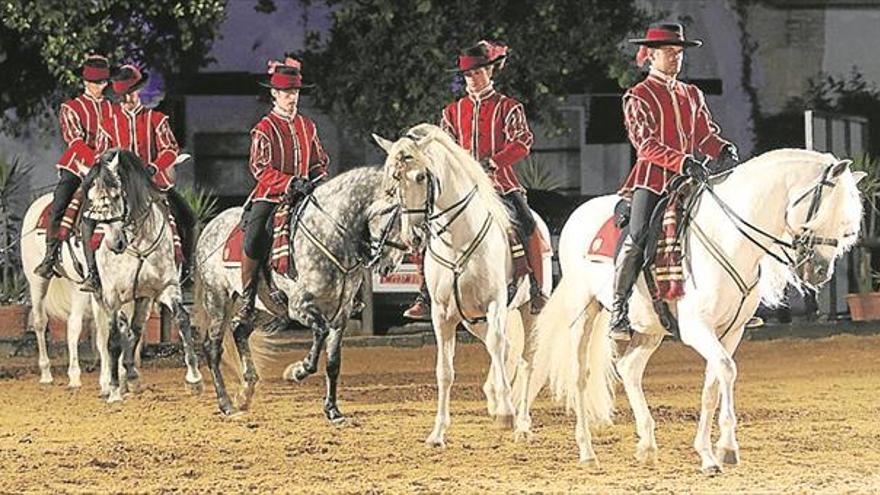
[864, 307]
[13, 320]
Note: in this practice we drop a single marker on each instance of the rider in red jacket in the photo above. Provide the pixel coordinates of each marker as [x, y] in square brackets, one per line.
[81, 121]
[286, 158]
[670, 126]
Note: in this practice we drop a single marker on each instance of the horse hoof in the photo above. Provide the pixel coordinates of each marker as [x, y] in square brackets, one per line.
[712, 470]
[589, 462]
[522, 435]
[295, 372]
[46, 380]
[195, 388]
[504, 421]
[74, 385]
[435, 441]
[115, 396]
[727, 456]
[133, 386]
[646, 455]
[234, 415]
[338, 421]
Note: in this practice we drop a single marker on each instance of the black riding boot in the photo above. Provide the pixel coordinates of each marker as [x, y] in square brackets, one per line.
[626, 271]
[92, 283]
[250, 278]
[46, 268]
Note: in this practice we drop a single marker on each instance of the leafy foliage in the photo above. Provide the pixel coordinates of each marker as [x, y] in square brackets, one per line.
[202, 201]
[535, 175]
[43, 42]
[384, 65]
[12, 181]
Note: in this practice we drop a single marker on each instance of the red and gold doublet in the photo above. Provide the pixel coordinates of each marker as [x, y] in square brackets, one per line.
[282, 149]
[491, 125]
[666, 120]
[147, 133]
[82, 119]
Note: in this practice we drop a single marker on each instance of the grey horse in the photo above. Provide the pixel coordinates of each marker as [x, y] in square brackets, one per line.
[347, 224]
[138, 267]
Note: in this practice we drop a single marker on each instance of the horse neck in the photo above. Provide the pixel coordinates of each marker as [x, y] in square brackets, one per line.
[453, 189]
[149, 230]
[352, 213]
[760, 202]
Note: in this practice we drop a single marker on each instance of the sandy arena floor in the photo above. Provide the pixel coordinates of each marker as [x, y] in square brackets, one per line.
[808, 422]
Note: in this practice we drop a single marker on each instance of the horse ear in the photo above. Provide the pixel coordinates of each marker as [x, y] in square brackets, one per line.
[113, 165]
[840, 167]
[383, 143]
[859, 175]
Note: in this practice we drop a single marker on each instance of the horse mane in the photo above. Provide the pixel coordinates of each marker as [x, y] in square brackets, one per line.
[133, 180]
[464, 164]
[774, 276]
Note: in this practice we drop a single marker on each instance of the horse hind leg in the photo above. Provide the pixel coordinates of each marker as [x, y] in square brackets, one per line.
[193, 376]
[213, 346]
[497, 345]
[39, 320]
[132, 343]
[74, 330]
[241, 334]
[524, 359]
[631, 367]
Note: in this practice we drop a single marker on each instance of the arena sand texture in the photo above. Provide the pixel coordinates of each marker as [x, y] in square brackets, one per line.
[808, 422]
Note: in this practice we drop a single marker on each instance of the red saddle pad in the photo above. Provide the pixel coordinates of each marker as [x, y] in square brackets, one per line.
[604, 243]
[233, 246]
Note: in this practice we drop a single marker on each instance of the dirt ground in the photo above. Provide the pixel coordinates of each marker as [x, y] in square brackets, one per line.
[807, 410]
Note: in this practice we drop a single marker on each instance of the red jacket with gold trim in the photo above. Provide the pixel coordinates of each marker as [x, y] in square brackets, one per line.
[667, 120]
[282, 149]
[82, 119]
[147, 133]
[491, 125]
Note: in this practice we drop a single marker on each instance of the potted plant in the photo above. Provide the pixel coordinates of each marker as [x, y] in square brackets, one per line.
[864, 305]
[13, 285]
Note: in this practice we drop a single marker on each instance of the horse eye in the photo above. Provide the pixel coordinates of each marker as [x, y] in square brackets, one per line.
[407, 158]
[420, 177]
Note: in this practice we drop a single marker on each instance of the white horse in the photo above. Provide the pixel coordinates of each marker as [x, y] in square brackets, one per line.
[138, 263]
[449, 202]
[783, 216]
[58, 298]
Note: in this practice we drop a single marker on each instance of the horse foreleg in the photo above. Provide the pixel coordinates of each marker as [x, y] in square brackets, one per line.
[218, 312]
[727, 448]
[301, 370]
[193, 375]
[114, 345]
[497, 345]
[241, 334]
[132, 343]
[631, 367]
[720, 365]
[523, 374]
[334, 363]
[74, 330]
[444, 332]
[102, 336]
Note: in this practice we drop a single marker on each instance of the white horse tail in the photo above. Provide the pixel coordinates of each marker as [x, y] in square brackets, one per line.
[572, 311]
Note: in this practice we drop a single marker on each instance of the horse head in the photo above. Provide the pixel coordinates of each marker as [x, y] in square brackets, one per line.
[118, 192]
[824, 219]
[409, 181]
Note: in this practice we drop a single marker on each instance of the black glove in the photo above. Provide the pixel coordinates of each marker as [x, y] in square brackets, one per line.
[152, 170]
[487, 165]
[727, 159]
[301, 186]
[694, 169]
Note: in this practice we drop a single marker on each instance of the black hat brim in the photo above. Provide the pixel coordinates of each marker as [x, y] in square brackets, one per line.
[658, 43]
[478, 66]
[140, 84]
[302, 86]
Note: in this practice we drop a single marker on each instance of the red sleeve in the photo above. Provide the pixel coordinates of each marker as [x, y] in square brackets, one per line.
[518, 138]
[166, 145]
[320, 160]
[73, 134]
[446, 121]
[644, 134]
[707, 133]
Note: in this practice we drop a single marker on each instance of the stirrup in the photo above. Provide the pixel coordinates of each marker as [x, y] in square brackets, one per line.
[92, 284]
[46, 269]
[537, 302]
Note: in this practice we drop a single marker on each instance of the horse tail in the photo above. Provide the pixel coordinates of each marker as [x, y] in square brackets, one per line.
[571, 313]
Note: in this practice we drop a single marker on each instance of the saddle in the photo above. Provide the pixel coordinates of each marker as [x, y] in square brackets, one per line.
[663, 248]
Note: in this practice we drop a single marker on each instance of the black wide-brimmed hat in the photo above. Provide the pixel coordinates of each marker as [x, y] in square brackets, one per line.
[483, 54]
[285, 75]
[665, 34]
[127, 80]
